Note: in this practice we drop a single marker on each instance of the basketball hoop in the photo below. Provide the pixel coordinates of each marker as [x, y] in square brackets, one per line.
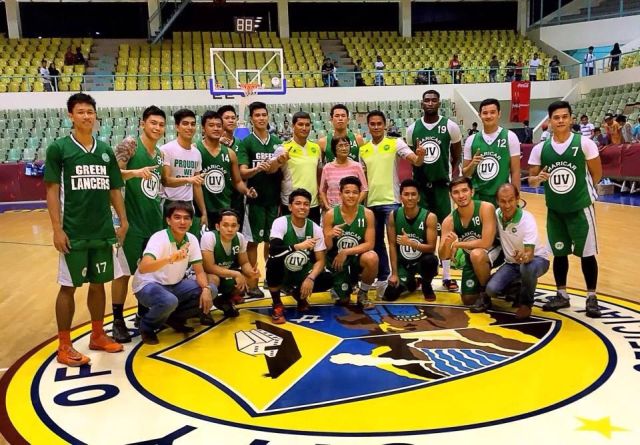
[249, 90]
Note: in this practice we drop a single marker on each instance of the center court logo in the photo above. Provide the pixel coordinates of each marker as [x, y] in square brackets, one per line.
[408, 357]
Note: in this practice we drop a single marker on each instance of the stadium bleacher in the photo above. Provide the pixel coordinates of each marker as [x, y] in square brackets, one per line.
[600, 101]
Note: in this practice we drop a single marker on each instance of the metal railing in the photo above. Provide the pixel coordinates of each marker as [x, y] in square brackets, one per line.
[587, 10]
[162, 81]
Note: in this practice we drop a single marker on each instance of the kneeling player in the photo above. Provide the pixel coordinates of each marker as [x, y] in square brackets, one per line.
[412, 233]
[296, 256]
[349, 234]
[224, 255]
[472, 227]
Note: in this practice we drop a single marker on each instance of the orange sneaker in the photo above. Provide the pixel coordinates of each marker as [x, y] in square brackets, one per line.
[277, 315]
[70, 357]
[104, 343]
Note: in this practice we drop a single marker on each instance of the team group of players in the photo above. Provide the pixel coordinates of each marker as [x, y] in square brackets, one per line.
[317, 234]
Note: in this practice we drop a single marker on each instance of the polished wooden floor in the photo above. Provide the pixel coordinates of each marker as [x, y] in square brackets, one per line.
[28, 268]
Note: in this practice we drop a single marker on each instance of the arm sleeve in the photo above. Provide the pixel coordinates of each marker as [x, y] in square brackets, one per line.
[317, 234]
[589, 148]
[403, 149]
[466, 151]
[278, 151]
[154, 247]
[530, 235]
[409, 136]
[198, 168]
[167, 156]
[514, 144]
[454, 131]
[534, 157]
[243, 243]
[195, 255]
[278, 228]
[53, 164]
[208, 242]
[277, 248]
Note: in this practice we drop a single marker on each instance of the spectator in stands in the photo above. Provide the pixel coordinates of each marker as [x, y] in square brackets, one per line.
[456, 69]
[69, 57]
[474, 129]
[625, 129]
[286, 132]
[518, 71]
[635, 133]
[554, 68]
[615, 57]
[393, 129]
[79, 58]
[54, 74]
[511, 71]
[336, 83]
[44, 74]
[534, 64]
[599, 138]
[612, 129]
[494, 66]
[546, 134]
[586, 127]
[327, 73]
[357, 69]
[527, 133]
[379, 67]
[589, 62]
[426, 76]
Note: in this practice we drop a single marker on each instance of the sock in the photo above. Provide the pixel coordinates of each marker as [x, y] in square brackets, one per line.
[64, 337]
[97, 328]
[364, 286]
[563, 293]
[117, 311]
[446, 268]
[275, 296]
[591, 293]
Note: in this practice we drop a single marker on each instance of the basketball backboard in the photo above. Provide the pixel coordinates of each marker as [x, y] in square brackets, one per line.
[233, 69]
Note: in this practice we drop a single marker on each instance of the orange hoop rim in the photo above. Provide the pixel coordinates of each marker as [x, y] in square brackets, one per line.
[250, 88]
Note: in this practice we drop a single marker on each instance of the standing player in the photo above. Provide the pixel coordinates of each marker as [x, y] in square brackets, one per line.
[139, 161]
[349, 235]
[181, 166]
[296, 256]
[224, 255]
[412, 232]
[492, 156]
[569, 165]
[83, 179]
[340, 123]
[471, 227]
[441, 138]
[219, 169]
[379, 158]
[256, 150]
[300, 161]
[229, 125]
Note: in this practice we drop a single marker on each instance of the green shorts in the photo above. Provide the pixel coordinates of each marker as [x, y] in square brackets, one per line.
[436, 199]
[470, 283]
[347, 278]
[226, 287]
[573, 232]
[132, 250]
[88, 261]
[258, 221]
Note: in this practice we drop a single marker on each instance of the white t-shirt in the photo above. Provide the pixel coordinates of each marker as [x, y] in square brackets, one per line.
[513, 141]
[521, 231]
[589, 60]
[587, 130]
[208, 243]
[452, 127]
[533, 66]
[379, 65]
[183, 163]
[279, 229]
[161, 245]
[44, 73]
[589, 148]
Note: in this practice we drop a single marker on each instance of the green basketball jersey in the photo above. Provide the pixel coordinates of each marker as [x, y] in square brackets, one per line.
[415, 230]
[354, 151]
[298, 263]
[569, 187]
[141, 198]
[224, 259]
[237, 198]
[252, 152]
[352, 234]
[437, 143]
[473, 230]
[85, 178]
[217, 178]
[494, 170]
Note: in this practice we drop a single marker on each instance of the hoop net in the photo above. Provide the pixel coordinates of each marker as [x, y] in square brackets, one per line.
[249, 90]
